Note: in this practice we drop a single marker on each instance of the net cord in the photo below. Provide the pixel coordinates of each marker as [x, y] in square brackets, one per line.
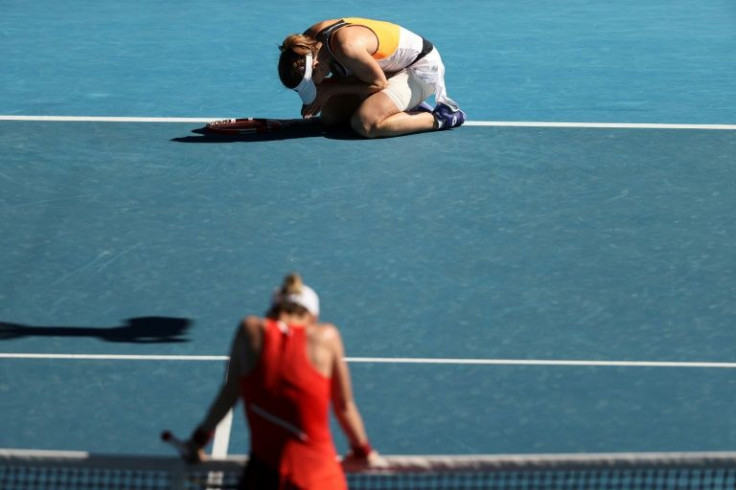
[389, 464]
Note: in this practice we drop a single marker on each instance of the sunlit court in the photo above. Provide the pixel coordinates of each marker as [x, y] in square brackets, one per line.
[540, 298]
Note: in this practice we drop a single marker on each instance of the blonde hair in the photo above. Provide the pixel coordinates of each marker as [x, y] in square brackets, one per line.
[291, 285]
[292, 62]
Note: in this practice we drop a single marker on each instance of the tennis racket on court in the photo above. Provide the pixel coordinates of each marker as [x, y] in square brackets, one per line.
[254, 125]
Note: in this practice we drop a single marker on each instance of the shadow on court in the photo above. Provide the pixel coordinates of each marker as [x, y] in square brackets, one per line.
[287, 133]
[142, 330]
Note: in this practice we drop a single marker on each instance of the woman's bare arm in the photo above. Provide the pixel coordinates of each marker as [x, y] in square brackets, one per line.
[343, 403]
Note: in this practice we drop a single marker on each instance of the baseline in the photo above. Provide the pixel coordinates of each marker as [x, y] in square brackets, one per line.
[395, 360]
[509, 124]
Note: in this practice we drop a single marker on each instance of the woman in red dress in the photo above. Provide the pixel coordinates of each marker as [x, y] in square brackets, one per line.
[289, 368]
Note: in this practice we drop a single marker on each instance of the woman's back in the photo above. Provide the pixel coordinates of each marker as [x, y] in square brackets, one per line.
[288, 369]
[287, 399]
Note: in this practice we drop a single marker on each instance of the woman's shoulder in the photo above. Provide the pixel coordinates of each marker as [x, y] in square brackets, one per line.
[252, 320]
[326, 332]
[251, 324]
[316, 28]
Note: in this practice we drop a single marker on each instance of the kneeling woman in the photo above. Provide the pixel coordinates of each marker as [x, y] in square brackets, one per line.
[370, 74]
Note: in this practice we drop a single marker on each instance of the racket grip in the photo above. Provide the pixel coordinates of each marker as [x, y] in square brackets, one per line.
[181, 446]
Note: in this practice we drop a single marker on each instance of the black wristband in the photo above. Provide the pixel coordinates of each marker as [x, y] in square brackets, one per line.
[200, 438]
[361, 451]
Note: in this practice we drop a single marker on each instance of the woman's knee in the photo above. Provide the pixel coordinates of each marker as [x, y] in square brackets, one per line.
[371, 118]
[364, 126]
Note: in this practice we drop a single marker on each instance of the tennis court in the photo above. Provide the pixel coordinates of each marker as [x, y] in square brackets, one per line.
[512, 286]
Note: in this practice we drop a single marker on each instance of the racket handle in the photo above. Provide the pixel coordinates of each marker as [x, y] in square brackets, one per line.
[181, 446]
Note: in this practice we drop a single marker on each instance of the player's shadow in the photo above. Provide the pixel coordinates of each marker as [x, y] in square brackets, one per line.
[142, 330]
[287, 133]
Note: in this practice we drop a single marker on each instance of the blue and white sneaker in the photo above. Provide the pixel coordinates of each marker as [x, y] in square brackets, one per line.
[447, 117]
[422, 107]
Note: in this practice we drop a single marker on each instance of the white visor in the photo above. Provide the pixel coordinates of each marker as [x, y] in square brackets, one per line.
[307, 298]
[306, 89]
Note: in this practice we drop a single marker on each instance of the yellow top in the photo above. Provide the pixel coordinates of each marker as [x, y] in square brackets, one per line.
[386, 32]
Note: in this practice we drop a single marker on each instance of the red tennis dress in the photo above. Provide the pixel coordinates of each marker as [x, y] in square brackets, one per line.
[287, 406]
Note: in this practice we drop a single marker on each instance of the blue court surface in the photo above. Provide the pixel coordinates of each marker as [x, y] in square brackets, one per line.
[511, 286]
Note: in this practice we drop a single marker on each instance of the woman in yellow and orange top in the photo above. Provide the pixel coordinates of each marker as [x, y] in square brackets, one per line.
[372, 74]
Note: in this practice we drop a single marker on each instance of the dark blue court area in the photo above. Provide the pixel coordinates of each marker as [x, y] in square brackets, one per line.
[436, 254]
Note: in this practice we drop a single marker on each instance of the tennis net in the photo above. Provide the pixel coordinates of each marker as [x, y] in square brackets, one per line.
[47, 470]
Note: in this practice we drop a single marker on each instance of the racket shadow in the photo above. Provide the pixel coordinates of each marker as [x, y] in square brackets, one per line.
[140, 330]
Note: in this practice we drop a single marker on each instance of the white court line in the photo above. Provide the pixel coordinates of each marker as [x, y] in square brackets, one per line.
[505, 124]
[111, 119]
[111, 357]
[602, 125]
[221, 440]
[395, 360]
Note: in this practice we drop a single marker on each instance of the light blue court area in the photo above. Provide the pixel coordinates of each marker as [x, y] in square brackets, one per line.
[481, 243]
[576, 60]
[483, 278]
[121, 406]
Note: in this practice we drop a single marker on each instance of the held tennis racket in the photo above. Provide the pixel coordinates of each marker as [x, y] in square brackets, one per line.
[181, 446]
[253, 125]
[187, 453]
[206, 481]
